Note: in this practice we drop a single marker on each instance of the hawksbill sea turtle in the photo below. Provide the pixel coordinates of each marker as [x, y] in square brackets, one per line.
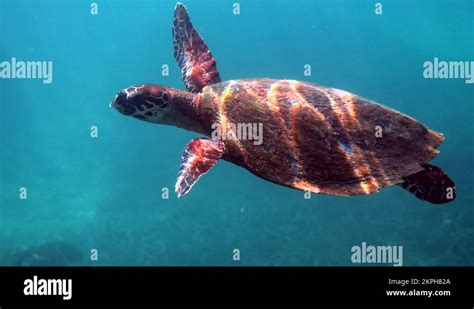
[315, 139]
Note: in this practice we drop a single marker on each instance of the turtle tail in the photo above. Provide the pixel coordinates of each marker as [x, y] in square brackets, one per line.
[431, 184]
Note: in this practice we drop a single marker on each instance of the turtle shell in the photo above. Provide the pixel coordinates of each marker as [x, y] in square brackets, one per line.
[317, 139]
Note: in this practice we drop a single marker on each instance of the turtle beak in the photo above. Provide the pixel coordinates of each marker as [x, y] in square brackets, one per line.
[112, 103]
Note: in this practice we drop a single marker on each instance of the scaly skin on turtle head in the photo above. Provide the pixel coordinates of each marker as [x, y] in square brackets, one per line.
[159, 104]
[146, 102]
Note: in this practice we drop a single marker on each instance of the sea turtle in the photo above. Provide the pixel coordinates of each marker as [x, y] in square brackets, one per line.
[314, 138]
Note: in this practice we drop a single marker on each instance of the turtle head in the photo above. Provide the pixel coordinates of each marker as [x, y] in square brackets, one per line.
[152, 103]
[160, 104]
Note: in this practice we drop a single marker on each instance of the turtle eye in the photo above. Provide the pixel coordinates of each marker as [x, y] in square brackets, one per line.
[165, 96]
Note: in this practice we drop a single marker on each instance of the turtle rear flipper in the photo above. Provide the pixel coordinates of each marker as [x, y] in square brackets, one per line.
[198, 67]
[431, 184]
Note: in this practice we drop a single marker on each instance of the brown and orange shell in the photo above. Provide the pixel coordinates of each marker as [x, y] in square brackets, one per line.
[318, 139]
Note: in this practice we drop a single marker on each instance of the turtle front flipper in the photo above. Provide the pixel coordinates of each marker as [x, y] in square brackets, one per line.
[431, 184]
[199, 156]
[198, 67]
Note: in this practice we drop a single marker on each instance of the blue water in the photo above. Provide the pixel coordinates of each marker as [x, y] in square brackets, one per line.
[105, 193]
